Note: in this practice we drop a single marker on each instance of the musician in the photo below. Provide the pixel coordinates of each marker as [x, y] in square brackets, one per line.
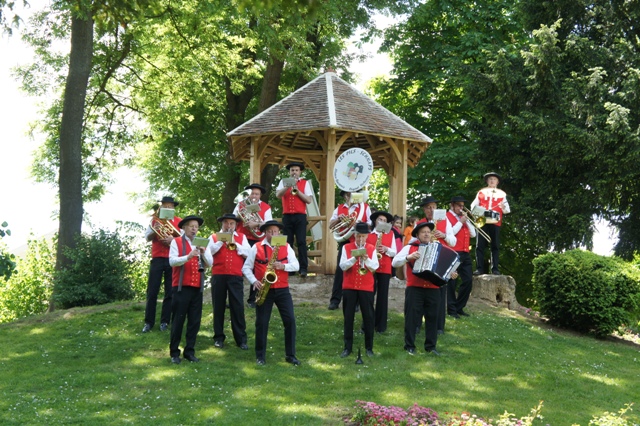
[357, 288]
[422, 297]
[257, 191]
[294, 207]
[494, 200]
[188, 264]
[386, 247]
[159, 270]
[463, 231]
[260, 257]
[226, 280]
[362, 213]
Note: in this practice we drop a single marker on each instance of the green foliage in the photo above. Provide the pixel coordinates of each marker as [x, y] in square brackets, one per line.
[27, 292]
[7, 264]
[586, 292]
[136, 251]
[99, 273]
[612, 419]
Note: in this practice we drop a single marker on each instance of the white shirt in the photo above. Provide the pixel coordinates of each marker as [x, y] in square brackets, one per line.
[267, 214]
[347, 262]
[458, 226]
[242, 248]
[352, 208]
[175, 260]
[308, 189]
[292, 264]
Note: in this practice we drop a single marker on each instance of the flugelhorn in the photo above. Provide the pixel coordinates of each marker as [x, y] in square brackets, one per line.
[477, 222]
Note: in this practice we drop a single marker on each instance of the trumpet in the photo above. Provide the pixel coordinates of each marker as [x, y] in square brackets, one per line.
[378, 245]
[231, 245]
[294, 188]
[477, 222]
[362, 269]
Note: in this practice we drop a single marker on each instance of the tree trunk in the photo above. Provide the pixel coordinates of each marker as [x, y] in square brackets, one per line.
[71, 125]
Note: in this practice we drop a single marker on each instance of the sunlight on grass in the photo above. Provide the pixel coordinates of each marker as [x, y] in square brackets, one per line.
[601, 379]
[38, 330]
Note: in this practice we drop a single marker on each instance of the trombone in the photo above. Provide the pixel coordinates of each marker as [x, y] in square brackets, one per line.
[477, 222]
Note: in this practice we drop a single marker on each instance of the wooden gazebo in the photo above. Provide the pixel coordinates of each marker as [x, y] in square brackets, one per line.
[314, 125]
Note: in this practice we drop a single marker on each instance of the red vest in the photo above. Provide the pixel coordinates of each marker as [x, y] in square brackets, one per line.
[442, 227]
[463, 236]
[227, 262]
[412, 280]
[262, 258]
[157, 248]
[191, 277]
[352, 279]
[388, 240]
[490, 199]
[292, 203]
[241, 228]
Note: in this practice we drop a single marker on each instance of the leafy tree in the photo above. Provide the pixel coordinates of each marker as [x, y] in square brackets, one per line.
[7, 265]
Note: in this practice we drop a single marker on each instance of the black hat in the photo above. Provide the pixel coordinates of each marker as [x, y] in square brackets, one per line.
[230, 216]
[167, 199]
[458, 199]
[191, 217]
[256, 186]
[362, 228]
[295, 163]
[270, 223]
[488, 175]
[374, 216]
[427, 200]
[421, 225]
[343, 192]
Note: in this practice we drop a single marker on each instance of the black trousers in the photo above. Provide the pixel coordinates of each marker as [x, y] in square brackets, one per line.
[281, 297]
[381, 293]
[351, 298]
[442, 308]
[336, 291]
[221, 287]
[295, 225]
[493, 231]
[159, 270]
[252, 291]
[185, 304]
[456, 303]
[421, 301]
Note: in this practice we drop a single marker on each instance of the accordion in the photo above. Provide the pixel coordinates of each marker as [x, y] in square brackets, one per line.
[436, 263]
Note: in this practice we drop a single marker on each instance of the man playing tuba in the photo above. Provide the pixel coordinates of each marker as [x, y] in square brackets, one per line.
[251, 228]
[260, 258]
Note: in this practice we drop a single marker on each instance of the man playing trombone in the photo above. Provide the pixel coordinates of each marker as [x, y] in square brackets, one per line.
[463, 229]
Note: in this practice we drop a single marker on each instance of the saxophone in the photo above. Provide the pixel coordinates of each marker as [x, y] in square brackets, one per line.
[379, 244]
[270, 277]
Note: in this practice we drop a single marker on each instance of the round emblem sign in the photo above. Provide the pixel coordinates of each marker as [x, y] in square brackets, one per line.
[353, 169]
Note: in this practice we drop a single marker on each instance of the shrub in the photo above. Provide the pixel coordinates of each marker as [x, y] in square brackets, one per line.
[7, 264]
[99, 272]
[137, 252]
[586, 292]
[28, 290]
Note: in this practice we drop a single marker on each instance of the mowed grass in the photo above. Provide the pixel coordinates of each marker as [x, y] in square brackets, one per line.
[94, 366]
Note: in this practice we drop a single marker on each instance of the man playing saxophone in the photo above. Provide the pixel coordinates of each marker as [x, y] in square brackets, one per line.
[386, 249]
[250, 227]
[226, 281]
[358, 261]
[261, 258]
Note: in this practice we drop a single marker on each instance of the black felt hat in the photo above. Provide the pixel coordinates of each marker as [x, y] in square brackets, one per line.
[421, 225]
[230, 216]
[458, 199]
[494, 174]
[362, 228]
[374, 216]
[428, 200]
[256, 186]
[270, 223]
[295, 163]
[189, 218]
[167, 199]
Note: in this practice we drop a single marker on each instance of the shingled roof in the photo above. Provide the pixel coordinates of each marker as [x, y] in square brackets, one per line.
[294, 127]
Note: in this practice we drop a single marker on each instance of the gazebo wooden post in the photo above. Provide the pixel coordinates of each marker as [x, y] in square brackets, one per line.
[328, 194]
[398, 182]
[255, 162]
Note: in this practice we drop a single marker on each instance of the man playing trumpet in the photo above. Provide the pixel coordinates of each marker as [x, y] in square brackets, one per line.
[226, 280]
[263, 256]
[357, 287]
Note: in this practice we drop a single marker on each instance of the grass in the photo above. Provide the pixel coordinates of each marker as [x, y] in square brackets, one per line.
[93, 366]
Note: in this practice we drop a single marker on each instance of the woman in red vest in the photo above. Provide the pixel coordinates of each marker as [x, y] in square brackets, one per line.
[357, 287]
[188, 262]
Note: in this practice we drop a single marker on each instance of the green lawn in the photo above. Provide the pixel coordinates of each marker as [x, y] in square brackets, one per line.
[93, 366]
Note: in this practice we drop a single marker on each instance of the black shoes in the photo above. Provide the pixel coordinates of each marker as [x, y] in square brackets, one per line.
[478, 272]
[260, 361]
[218, 344]
[463, 313]
[433, 351]
[333, 306]
[303, 273]
[411, 351]
[456, 316]
[164, 326]
[345, 353]
[147, 328]
[252, 304]
[176, 359]
[292, 360]
[369, 352]
[440, 332]
[243, 346]
[496, 273]
[191, 358]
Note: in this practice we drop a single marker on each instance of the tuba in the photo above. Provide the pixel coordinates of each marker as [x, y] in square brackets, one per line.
[270, 277]
[163, 227]
[248, 212]
[345, 228]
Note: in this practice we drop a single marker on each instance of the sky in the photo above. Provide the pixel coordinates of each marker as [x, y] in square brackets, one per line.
[30, 208]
